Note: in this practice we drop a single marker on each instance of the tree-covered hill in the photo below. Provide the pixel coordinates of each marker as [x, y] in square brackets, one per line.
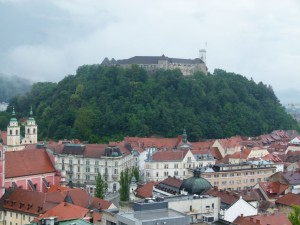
[10, 86]
[103, 103]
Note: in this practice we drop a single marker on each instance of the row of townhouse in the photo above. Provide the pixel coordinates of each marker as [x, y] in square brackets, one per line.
[82, 163]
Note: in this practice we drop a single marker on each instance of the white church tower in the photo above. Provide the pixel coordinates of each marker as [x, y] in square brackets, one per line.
[13, 134]
[31, 129]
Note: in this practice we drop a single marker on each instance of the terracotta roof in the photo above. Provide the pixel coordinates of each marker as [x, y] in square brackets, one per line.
[292, 177]
[272, 157]
[274, 219]
[289, 199]
[225, 196]
[32, 200]
[177, 155]
[65, 211]
[3, 135]
[160, 143]
[19, 163]
[172, 181]
[231, 142]
[146, 191]
[273, 189]
[216, 153]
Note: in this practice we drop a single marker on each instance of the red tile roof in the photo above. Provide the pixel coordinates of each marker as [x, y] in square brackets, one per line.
[172, 181]
[177, 155]
[151, 142]
[289, 199]
[274, 219]
[3, 135]
[32, 200]
[146, 190]
[273, 189]
[65, 211]
[20, 163]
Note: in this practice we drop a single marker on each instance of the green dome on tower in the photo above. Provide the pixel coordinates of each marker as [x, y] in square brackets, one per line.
[196, 184]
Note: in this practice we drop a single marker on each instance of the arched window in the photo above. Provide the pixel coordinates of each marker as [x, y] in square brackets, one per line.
[10, 132]
[28, 131]
[34, 130]
[17, 132]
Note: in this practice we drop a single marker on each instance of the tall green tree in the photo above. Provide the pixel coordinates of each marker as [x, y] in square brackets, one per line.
[136, 174]
[100, 187]
[125, 179]
[294, 216]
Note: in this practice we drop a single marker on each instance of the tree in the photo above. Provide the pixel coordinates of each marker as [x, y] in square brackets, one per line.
[100, 187]
[294, 215]
[125, 179]
[136, 174]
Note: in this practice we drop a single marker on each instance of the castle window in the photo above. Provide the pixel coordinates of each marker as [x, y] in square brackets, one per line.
[10, 132]
[34, 130]
[28, 130]
[17, 132]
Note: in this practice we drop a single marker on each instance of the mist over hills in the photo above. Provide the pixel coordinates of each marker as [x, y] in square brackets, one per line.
[10, 86]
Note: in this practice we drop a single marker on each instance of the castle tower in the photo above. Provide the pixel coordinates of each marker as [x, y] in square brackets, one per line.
[202, 55]
[31, 129]
[13, 134]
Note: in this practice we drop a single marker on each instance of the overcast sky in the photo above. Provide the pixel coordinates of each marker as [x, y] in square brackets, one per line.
[47, 40]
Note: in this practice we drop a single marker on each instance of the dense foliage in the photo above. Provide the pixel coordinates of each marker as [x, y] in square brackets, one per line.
[106, 103]
[100, 187]
[10, 86]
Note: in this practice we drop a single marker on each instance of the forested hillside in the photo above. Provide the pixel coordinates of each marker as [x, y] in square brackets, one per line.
[10, 86]
[106, 103]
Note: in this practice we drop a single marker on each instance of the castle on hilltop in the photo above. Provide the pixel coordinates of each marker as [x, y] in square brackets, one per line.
[153, 63]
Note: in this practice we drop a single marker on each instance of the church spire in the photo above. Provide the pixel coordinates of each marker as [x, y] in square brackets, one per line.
[184, 136]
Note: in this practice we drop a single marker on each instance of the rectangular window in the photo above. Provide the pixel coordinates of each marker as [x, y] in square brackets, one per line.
[252, 173]
[116, 171]
[157, 174]
[246, 173]
[70, 161]
[87, 162]
[216, 175]
[87, 169]
[78, 161]
[96, 163]
[16, 215]
[23, 217]
[258, 179]
[97, 170]
[224, 175]
[231, 182]
[252, 180]
[216, 183]
[238, 181]
[78, 176]
[116, 163]
[232, 174]
[176, 166]
[175, 173]
[78, 169]
[245, 180]
[183, 173]
[166, 173]
[166, 166]
[87, 177]
[224, 182]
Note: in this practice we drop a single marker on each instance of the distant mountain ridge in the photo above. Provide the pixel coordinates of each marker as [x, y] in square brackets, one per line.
[10, 86]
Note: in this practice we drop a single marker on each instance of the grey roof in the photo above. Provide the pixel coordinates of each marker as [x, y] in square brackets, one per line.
[150, 60]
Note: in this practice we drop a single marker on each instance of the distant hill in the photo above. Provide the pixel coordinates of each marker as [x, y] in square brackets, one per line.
[102, 103]
[11, 86]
